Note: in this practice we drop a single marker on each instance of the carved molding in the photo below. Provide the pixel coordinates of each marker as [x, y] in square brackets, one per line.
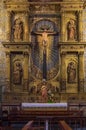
[73, 6]
[25, 54]
[43, 8]
[17, 46]
[72, 48]
[63, 53]
[17, 5]
[7, 54]
[7, 1]
[80, 53]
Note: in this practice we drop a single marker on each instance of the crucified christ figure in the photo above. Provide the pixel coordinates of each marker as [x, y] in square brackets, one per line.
[45, 33]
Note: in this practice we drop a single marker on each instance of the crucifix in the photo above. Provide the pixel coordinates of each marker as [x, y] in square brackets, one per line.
[45, 33]
[44, 59]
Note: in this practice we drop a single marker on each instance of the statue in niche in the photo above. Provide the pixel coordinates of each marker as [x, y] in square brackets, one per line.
[17, 73]
[71, 30]
[44, 93]
[71, 72]
[18, 29]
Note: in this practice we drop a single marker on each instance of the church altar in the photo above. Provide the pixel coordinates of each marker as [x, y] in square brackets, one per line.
[44, 105]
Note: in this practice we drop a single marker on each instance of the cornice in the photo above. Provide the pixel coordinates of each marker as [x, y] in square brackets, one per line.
[64, 6]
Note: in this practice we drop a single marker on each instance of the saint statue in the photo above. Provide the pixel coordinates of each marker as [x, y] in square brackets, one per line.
[44, 93]
[18, 29]
[71, 71]
[71, 30]
[17, 74]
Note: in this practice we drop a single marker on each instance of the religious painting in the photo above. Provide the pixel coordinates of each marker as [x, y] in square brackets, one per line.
[45, 53]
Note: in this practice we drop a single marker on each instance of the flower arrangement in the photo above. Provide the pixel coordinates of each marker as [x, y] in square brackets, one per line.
[50, 97]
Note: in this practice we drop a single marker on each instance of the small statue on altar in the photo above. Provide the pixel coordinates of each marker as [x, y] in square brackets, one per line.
[44, 93]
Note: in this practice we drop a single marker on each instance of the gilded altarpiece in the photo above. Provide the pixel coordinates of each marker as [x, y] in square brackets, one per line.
[44, 51]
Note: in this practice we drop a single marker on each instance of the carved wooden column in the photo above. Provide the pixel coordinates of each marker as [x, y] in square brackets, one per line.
[25, 71]
[81, 72]
[62, 27]
[26, 29]
[8, 71]
[8, 26]
[63, 72]
[80, 25]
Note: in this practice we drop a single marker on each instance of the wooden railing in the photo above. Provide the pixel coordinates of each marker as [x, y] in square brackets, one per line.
[24, 115]
[19, 115]
[64, 126]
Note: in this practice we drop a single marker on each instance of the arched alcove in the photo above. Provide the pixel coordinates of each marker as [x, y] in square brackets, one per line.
[52, 52]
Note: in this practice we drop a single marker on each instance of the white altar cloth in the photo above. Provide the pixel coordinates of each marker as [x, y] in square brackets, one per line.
[38, 105]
